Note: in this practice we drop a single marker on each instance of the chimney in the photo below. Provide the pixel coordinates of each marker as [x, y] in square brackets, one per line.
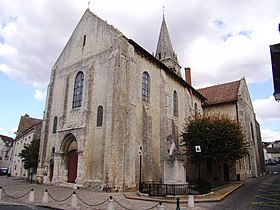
[188, 76]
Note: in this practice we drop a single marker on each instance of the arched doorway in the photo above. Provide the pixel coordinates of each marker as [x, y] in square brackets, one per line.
[69, 147]
[72, 165]
[226, 172]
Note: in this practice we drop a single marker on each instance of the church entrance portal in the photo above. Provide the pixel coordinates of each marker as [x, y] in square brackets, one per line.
[70, 158]
[72, 165]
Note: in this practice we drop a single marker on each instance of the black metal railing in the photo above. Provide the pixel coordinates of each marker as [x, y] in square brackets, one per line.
[158, 189]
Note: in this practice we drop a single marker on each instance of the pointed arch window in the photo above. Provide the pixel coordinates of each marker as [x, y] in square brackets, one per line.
[55, 124]
[99, 116]
[175, 103]
[78, 90]
[145, 87]
[195, 109]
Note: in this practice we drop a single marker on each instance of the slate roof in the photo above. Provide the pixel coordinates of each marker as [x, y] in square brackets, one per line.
[222, 93]
[27, 122]
[167, 70]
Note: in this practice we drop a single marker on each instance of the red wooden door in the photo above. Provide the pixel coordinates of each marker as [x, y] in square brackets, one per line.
[72, 165]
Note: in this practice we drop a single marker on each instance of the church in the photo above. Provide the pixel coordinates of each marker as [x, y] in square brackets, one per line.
[114, 112]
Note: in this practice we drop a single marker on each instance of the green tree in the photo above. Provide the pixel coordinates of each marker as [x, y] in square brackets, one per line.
[29, 154]
[219, 137]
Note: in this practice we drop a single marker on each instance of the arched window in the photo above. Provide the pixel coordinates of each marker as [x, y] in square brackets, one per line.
[195, 109]
[145, 87]
[55, 124]
[78, 90]
[99, 116]
[175, 103]
[252, 132]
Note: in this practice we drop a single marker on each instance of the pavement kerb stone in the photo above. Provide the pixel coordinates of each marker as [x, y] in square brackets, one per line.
[230, 191]
[214, 196]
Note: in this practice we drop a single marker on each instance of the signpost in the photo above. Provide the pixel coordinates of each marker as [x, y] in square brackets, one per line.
[198, 150]
[140, 173]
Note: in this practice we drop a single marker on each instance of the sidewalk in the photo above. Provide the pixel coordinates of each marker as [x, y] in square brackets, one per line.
[217, 194]
[60, 197]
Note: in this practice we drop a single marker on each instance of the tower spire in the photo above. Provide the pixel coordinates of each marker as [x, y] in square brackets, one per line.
[164, 51]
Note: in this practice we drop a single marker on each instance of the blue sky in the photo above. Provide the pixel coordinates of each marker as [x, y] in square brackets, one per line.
[17, 99]
[220, 40]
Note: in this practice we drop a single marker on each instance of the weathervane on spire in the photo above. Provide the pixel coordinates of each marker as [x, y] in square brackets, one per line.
[88, 4]
[163, 10]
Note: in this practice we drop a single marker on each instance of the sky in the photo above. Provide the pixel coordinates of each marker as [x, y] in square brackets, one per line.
[220, 40]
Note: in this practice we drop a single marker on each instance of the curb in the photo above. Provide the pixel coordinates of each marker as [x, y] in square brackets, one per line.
[200, 199]
[229, 192]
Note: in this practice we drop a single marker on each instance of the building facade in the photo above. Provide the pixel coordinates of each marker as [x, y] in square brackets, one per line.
[110, 100]
[233, 99]
[6, 145]
[29, 128]
[107, 97]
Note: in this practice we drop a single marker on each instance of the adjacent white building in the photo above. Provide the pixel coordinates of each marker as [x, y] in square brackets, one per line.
[6, 145]
[28, 129]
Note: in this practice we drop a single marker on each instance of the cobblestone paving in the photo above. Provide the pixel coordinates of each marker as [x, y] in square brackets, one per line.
[16, 188]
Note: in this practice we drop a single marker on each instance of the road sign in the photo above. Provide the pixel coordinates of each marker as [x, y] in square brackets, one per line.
[198, 148]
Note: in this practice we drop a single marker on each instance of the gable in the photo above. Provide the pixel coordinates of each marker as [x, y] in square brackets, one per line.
[244, 93]
[26, 122]
[91, 36]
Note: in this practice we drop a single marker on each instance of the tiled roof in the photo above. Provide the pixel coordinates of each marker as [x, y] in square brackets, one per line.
[26, 122]
[222, 93]
[6, 138]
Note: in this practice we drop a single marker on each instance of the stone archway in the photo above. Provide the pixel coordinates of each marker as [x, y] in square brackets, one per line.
[69, 148]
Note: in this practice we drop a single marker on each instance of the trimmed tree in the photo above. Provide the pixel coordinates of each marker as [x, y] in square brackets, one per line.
[29, 154]
[220, 138]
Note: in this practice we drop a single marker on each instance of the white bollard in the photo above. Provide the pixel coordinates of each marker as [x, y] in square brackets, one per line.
[110, 203]
[46, 197]
[190, 201]
[1, 192]
[45, 179]
[31, 195]
[74, 202]
[160, 206]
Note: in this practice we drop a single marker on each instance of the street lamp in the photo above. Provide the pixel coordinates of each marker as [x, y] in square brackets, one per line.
[275, 61]
[140, 171]
[277, 96]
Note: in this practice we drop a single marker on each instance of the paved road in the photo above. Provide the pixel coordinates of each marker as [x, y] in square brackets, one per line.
[260, 193]
[18, 187]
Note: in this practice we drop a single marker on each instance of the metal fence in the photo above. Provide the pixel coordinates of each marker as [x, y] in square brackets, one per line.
[158, 189]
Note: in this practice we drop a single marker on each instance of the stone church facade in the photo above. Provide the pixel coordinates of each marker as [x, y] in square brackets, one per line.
[107, 99]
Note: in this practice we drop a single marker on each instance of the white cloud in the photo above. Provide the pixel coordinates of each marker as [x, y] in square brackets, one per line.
[34, 33]
[8, 132]
[220, 40]
[267, 110]
[39, 95]
[269, 135]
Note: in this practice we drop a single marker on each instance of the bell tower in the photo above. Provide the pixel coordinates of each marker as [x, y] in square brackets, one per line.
[165, 52]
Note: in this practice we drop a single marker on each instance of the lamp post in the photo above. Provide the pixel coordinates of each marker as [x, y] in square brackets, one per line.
[198, 150]
[277, 96]
[140, 171]
[275, 61]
